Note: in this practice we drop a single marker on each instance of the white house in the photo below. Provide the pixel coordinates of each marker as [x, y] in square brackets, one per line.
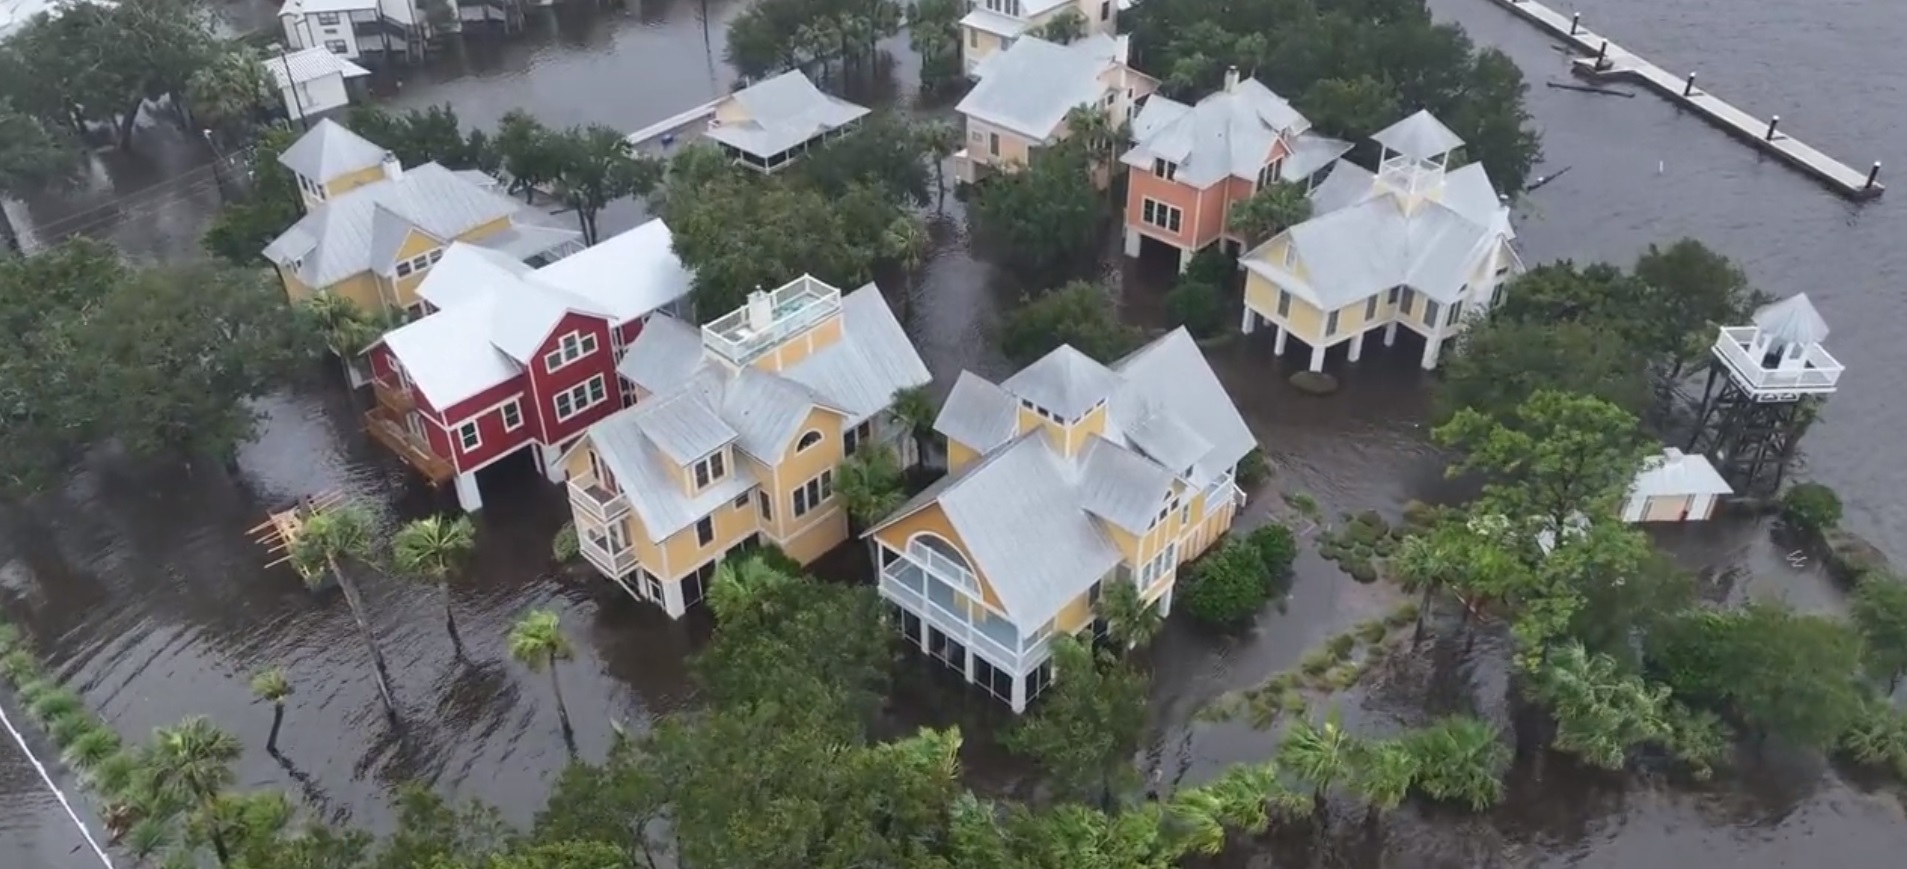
[992, 26]
[1675, 487]
[312, 80]
[352, 28]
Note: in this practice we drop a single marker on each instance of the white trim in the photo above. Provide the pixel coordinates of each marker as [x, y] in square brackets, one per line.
[474, 438]
[495, 459]
[562, 351]
[802, 444]
[504, 411]
[1158, 205]
[795, 510]
[707, 463]
[577, 409]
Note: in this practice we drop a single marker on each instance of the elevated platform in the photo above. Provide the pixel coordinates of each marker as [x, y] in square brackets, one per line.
[1812, 372]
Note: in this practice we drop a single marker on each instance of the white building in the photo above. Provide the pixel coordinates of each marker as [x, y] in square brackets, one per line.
[1675, 487]
[311, 81]
[995, 25]
[1027, 95]
[353, 28]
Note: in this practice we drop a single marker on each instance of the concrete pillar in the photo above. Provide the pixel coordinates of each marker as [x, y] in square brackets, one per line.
[550, 458]
[1133, 239]
[1357, 346]
[1432, 348]
[1390, 334]
[1248, 321]
[1165, 600]
[468, 497]
[672, 600]
[1317, 358]
[1185, 258]
[1278, 343]
[1018, 701]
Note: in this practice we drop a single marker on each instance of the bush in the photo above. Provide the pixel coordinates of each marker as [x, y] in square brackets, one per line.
[10, 637]
[1228, 586]
[114, 774]
[1362, 570]
[1277, 547]
[1253, 470]
[69, 727]
[55, 704]
[1341, 645]
[92, 748]
[19, 667]
[566, 547]
[1197, 306]
[773, 557]
[1317, 661]
[1811, 507]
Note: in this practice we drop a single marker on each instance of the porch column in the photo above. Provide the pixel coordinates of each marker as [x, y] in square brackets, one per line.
[672, 599]
[1165, 600]
[1357, 346]
[1278, 343]
[1133, 240]
[1185, 258]
[1317, 358]
[1018, 700]
[468, 497]
[1248, 321]
[1432, 349]
[1390, 333]
[550, 458]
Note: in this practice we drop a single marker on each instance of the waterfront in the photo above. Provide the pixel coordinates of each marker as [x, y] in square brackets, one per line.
[153, 603]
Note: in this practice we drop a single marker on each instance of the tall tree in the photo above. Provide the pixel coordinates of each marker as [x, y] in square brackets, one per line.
[538, 642]
[1880, 615]
[527, 151]
[939, 139]
[907, 244]
[1783, 673]
[435, 547]
[1502, 361]
[327, 542]
[1044, 216]
[273, 687]
[1086, 727]
[1688, 291]
[1131, 621]
[914, 410]
[1275, 208]
[242, 229]
[193, 761]
[870, 484]
[1560, 456]
[595, 166]
[883, 152]
[230, 92]
[1080, 314]
[1320, 755]
[33, 157]
[1381, 773]
[933, 31]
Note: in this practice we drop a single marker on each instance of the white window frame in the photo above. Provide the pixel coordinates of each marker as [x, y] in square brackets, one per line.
[513, 406]
[1370, 308]
[419, 263]
[1160, 215]
[809, 496]
[1284, 303]
[580, 398]
[708, 521]
[1165, 168]
[570, 348]
[328, 19]
[469, 436]
[337, 46]
[803, 444]
[857, 437]
[709, 470]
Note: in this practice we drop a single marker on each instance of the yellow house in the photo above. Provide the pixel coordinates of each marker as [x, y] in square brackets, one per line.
[1416, 244]
[372, 229]
[993, 26]
[1027, 92]
[735, 436]
[1066, 477]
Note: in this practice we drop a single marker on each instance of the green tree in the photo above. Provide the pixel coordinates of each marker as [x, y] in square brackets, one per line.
[272, 686]
[329, 540]
[1079, 314]
[1500, 362]
[1880, 615]
[241, 230]
[1086, 727]
[538, 642]
[1320, 755]
[429, 135]
[1044, 216]
[1227, 586]
[192, 763]
[1381, 773]
[1196, 305]
[1687, 292]
[434, 548]
[1602, 713]
[870, 484]
[231, 92]
[1275, 208]
[939, 139]
[933, 31]
[913, 409]
[1067, 27]
[1784, 674]
[883, 152]
[595, 166]
[1355, 106]
[1131, 621]
[100, 63]
[33, 157]
[527, 151]
[1558, 457]
[907, 244]
[1428, 564]
[1811, 508]
[1460, 760]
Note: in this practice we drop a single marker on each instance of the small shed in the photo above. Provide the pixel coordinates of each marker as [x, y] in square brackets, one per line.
[1675, 487]
[312, 81]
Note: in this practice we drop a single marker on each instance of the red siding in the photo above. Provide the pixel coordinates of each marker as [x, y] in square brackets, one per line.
[546, 385]
[486, 410]
[628, 331]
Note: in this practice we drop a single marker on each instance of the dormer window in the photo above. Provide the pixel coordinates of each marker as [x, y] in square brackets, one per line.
[711, 469]
[1269, 175]
[1165, 168]
[569, 348]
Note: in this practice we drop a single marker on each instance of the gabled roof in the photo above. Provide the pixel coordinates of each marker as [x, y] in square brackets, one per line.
[1030, 516]
[310, 65]
[362, 229]
[1792, 320]
[1419, 137]
[330, 150]
[699, 404]
[1674, 473]
[628, 275]
[1227, 134]
[1031, 87]
[784, 112]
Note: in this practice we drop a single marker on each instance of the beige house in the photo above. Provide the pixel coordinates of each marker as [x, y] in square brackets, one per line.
[1027, 92]
[771, 123]
[735, 435]
[1675, 487]
[995, 25]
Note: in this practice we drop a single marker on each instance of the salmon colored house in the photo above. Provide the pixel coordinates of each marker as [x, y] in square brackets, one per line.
[1192, 164]
[1063, 479]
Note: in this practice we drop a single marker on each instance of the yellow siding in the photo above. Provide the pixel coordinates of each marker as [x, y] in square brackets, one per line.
[798, 467]
[576, 463]
[1078, 434]
[817, 538]
[295, 289]
[1075, 616]
[1027, 421]
[688, 472]
[977, 45]
[767, 483]
[1013, 146]
[335, 187]
[934, 520]
[1305, 322]
[683, 553]
[958, 455]
[485, 230]
[799, 347]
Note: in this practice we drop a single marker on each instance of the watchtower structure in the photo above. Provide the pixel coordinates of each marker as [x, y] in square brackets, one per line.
[1766, 383]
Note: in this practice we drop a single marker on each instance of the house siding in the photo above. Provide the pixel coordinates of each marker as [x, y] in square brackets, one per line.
[546, 385]
[934, 520]
[1014, 148]
[485, 409]
[1141, 185]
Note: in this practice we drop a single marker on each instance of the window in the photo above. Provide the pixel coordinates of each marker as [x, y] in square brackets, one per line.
[1370, 308]
[1284, 303]
[808, 439]
[710, 469]
[1185, 515]
[1161, 215]
[572, 347]
[1410, 301]
[512, 416]
[1269, 175]
[1431, 309]
[1456, 313]
[993, 144]
[705, 531]
[468, 436]
[328, 18]
[419, 263]
[1165, 168]
[766, 505]
[857, 436]
[1331, 324]
[810, 495]
[336, 46]
[1393, 296]
[1105, 9]
[741, 501]
[1291, 255]
[579, 398]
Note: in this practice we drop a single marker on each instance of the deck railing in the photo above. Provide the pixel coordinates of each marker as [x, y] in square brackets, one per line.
[1820, 371]
[779, 315]
[589, 495]
[1016, 655]
[602, 552]
[386, 430]
[392, 396]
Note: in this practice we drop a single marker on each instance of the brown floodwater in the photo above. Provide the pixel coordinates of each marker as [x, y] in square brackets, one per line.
[150, 599]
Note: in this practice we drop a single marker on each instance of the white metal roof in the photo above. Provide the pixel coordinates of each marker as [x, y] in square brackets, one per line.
[630, 274]
[1792, 320]
[1031, 87]
[1419, 137]
[996, 23]
[783, 112]
[1678, 474]
[309, 65]
[1227, 134]
[330, 150]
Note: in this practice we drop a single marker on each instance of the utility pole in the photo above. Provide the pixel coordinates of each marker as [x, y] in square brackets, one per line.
[218, 167]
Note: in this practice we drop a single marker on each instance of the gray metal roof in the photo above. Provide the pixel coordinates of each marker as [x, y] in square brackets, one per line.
[1065, 382]
[654, 486]
[630, 274]
[873, 359]
[685, 428]
[1419, 137]
[996, 23]
[1228, 134]
[1166, 438]
[1673, 473]
[354, 232]
[1031, 87]
[768, 411]
[664, 354]
[330, 150]
[783, 112]
[1170, 376]
[1121, 486]
[1792, 320]
[309, 65]
[1310, 153]
[978, 414]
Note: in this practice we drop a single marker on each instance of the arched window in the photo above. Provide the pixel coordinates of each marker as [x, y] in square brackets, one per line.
[944, 555]
[808, 438]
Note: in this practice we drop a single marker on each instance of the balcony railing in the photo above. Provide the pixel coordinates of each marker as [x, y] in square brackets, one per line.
[748, 332]
[386, 430]
[912, 585]
[588, 494]
[602, 552]
[1818, 372]
[393, 396]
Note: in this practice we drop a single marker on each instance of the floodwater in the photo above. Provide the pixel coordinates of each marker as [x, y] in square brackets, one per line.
[150, 598]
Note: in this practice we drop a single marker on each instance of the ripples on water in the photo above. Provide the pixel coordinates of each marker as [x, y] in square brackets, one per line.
[151, 599]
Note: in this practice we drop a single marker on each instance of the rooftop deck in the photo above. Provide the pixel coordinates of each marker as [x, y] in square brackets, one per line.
[1815, 371]
[747, 333]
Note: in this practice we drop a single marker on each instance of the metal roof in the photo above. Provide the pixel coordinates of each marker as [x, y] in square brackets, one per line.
[1792, 320]
[1674, 473]
[309, 65]
[1065, 382]
[1419, 137]
[629, 275]
[663, 355]
[1031, 87]
[330, 150]
[1227, 134]
[978, 413]
[783, 112]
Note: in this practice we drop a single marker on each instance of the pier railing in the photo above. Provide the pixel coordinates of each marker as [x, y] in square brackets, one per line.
[1821, 372]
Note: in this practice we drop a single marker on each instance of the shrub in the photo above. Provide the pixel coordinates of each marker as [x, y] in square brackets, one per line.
[1228, 586]
[1197, 306]
[566, 547]
[92, 748]
[1252, 469]
[10, 637]
[55, 704]
[1405, 614]
[1341, 645]
[19, 667]
[781, 562]
[69, 727]
[1362, 570]
[1317, 661]
[1811, 507]
[1277, 547]
[33, 689]
[1343, 676]
[1372, 631]
[1212, 266]
[114, 774]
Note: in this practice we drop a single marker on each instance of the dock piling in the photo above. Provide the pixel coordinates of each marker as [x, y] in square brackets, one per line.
[1602, 55]
[1575, 22]
[1688, 87]
[1773, 122]
[1873, 175]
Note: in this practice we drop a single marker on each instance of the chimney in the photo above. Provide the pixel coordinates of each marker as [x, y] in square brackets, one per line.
[761, 312]
[1231, 78]
[393, 170]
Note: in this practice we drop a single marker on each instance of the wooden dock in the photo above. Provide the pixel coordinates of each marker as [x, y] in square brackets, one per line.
[1606, 60]
[279, 532]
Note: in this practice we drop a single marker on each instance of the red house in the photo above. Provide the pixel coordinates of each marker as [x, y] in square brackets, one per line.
[508, 357]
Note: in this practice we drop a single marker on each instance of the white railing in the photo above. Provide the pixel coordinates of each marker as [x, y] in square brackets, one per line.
[802, 303]
[1819, 371]
[896, 585]
[609, 560]
[934, 562]
[587, 494]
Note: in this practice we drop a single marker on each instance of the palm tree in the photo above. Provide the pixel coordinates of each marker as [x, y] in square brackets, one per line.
[344, 327]
[1272, 210]
[870, 485]
[1382, 773]
[739, 583]
[1425, 565]
[1130, 620]
[1320, 755]
[273, 687]
[914, 408]
[192, 761]
[940, 140]
[538, 643]
[907, 242]
[327, 540]
[1461, 760]
[433, 548]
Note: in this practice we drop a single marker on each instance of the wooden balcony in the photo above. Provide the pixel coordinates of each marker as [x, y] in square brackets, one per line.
[387, 430]
[393, 397]
[587, 494]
